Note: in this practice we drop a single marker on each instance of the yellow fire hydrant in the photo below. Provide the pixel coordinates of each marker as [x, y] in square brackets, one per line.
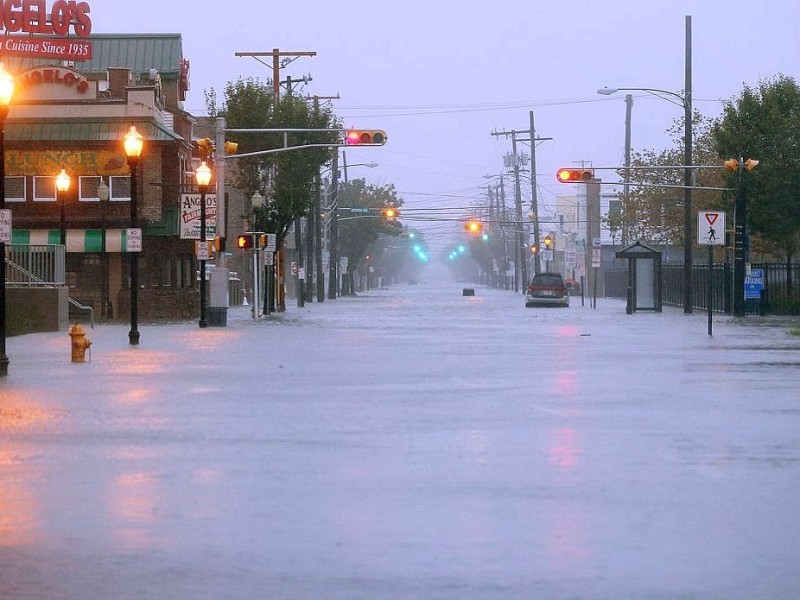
[80, 343]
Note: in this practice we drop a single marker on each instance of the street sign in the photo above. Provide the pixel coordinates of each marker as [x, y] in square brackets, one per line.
[5, 225]
[753, 284]
[201, 250]
[133, 239]
[271, 242]
[190, 216]
[711, 228]
[269, 258]
[597, 257]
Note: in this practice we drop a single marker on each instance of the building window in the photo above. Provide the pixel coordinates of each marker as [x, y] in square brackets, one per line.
[15, 189]
[44, 188]
[88, 188]
[120, 188]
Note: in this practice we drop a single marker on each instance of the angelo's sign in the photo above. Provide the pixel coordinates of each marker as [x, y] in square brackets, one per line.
[31, 18]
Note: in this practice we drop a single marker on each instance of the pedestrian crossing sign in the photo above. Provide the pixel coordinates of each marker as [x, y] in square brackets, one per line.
[711, 228]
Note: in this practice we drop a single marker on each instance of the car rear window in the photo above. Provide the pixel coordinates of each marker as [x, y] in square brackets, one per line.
[549, 280]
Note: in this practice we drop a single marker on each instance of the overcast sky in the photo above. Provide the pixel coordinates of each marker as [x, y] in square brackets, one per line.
[440, 77]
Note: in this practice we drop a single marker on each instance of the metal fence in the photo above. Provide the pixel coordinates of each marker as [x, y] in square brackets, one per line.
[35, 266]
[781, 293]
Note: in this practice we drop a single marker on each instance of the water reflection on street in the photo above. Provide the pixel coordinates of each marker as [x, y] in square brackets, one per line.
[406, 443]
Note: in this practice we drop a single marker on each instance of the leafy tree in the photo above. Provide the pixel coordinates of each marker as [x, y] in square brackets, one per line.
[655, 214]
[285, 178]
[763, 123]
[356, 234]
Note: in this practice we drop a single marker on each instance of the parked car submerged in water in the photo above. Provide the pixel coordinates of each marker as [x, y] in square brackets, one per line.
[547, 289]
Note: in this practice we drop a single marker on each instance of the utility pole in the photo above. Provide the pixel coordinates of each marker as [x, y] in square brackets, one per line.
[521, 259]
[534, 194]
[520, 267]
[688, 182]
[626, 194]
[280, 59]
[314, 246]
[333, 206]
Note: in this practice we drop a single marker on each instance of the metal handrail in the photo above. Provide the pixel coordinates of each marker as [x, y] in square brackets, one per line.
[80, 306]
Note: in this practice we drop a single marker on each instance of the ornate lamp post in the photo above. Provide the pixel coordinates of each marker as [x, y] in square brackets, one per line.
[62, 187]
[203, 176]
[133, 142]
[6, 92]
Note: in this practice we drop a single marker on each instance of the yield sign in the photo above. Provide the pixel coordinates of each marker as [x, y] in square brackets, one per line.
[711, 228]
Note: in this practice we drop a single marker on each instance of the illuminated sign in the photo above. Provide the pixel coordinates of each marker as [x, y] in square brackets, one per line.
[31, 16]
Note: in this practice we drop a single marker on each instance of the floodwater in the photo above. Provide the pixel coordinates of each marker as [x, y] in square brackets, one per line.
[408, 442]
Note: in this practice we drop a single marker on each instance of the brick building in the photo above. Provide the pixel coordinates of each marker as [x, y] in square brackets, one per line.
[73, 116]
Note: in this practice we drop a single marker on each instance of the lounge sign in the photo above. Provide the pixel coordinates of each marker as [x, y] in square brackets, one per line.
[31, 18]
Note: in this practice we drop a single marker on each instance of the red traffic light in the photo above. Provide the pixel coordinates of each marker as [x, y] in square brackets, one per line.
[575, 175]
[365, 137]
[244, 241]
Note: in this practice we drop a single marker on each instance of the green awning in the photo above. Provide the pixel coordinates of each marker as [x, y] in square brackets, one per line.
[78, 240]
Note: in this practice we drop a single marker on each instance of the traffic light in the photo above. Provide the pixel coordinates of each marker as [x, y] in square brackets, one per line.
[473, 226]
[733, 165]
[548, 242]
[365, 137]
[575, 175]
[244, 242]
[390, 212]
[231, 147]
[205, 147]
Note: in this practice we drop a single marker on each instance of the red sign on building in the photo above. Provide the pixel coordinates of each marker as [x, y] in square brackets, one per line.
[41, 47]
[31, 17]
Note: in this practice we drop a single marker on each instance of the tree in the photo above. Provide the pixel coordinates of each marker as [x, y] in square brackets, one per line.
[763, 123]
[358, 231]
[653, 212]
[285, 178]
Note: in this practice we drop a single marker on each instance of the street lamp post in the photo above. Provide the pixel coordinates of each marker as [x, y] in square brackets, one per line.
[203, 176]
[103, 193]
[688, 229]
[133, 142]
[6, 92]
[62, 187]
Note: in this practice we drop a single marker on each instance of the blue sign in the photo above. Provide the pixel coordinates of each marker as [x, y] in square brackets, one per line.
[753, 284]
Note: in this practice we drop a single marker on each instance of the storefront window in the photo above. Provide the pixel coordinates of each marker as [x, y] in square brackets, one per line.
[15, 189]
[120, 188]
[88, 188]
[44, 188]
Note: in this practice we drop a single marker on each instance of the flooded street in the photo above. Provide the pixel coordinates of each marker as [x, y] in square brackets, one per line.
[405, 443]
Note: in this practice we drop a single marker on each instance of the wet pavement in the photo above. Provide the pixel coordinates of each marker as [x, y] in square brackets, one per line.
[406, 443]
